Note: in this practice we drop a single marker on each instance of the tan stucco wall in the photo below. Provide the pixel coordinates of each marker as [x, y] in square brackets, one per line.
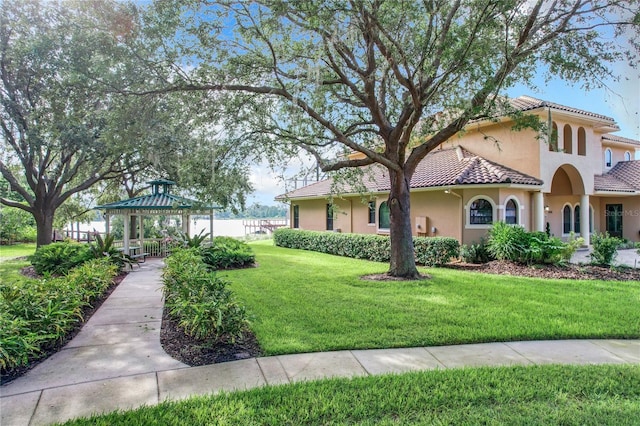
[518, 150]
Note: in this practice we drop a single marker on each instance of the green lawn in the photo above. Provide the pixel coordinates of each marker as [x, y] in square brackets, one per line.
[540, 395]
[304, 301]
[16, 250]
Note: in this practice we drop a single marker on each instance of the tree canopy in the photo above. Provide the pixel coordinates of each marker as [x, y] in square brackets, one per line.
[66, 126]
[389, 79]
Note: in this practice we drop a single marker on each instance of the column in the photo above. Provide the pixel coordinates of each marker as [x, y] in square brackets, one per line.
[584, 219]
[127, 224]
[538, 211]
[211, 226]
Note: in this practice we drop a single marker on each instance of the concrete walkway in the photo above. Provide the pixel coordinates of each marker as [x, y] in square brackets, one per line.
[626, 257]
[117, 362]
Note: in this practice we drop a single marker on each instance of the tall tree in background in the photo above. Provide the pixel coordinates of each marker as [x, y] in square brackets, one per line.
[389, 79]
[59, 127]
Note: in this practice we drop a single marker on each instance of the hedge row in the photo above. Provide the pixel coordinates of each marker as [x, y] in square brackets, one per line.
[429, 251]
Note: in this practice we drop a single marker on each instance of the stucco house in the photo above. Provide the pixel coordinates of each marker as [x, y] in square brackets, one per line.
[586, 180]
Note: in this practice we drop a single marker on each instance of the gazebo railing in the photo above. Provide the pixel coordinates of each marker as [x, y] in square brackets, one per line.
[156, 247]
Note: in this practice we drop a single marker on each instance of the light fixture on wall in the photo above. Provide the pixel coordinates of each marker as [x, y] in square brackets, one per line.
[547, 209]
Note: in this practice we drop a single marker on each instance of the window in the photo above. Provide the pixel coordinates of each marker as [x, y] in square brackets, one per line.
[372, 212]
[566, 219]
[607, 158]
[511, 212]
[576, 219]
[568, 139]
[627, 156]
[582, 141]
[553, 143]
[384, 216]
[613, 215]
[329, 217]
[296, 216]
[481, 212]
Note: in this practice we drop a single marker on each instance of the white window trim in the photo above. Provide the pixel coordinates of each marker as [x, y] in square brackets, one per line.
[467, 212]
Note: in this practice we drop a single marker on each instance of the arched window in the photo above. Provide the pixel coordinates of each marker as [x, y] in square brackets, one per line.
[582, 141]
[511, 212]
[481, 212]
[576, 219]
[553, 143]
[627, 156]
[384, 216]
[607, 158]
[568, 139]
[566, 219]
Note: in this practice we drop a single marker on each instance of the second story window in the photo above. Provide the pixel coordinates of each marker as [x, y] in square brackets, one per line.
[608, 161]
[627, 156]
[568, 139]
[582, 141]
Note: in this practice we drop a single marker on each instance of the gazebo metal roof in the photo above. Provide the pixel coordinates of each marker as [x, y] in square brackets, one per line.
[160, 201]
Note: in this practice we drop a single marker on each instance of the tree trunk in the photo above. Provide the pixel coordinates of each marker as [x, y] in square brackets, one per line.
[44, 227]
[403, 263]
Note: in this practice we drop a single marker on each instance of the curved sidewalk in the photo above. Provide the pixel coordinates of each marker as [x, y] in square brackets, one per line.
[117, 362]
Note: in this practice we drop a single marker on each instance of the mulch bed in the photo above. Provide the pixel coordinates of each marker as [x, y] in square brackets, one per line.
[194, 352]
[570, 272]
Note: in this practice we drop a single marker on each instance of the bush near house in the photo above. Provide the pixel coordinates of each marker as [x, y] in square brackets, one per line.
[37, 313]
[476, 252]
[227, 253]
[605, 249]
[199, 300]
[515, 244]
[428, 251]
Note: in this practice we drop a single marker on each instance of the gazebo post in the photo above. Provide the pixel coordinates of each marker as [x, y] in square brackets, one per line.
[127, 221]
[141, 232]
[185, 223]
[211, 226]
[107, 225]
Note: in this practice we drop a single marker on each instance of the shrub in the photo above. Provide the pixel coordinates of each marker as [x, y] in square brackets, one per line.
[507, 242]
[228, 253]
[35, 313]
[59, 258]
[428, 251]
[604, 249]
[104, 247]
[513, 243]
[476, 253]
[435, 251]
[200, 301]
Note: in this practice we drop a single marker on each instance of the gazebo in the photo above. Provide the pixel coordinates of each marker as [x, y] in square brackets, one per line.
[159, 202]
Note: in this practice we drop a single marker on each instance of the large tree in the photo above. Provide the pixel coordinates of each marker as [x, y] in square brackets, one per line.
[66, 126]
[389, 79]
[60, 132]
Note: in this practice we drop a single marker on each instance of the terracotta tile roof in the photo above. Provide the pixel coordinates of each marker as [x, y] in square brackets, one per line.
[442, 168]
[623, 177]
[527, 103]
[616, 138]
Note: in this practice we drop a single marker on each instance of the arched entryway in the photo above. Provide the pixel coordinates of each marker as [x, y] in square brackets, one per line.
[567, 208]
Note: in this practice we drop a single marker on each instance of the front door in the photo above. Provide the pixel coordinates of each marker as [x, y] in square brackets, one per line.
[613, 214]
